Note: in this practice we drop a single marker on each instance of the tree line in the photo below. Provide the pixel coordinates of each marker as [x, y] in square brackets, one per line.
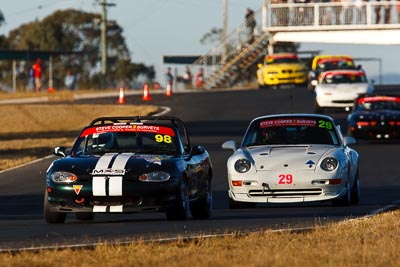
[73, 30]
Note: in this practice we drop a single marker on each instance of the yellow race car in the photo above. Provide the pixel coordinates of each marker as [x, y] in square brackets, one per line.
[281, 69]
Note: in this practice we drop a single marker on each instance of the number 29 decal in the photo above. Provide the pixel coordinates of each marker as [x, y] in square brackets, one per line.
[285, 179]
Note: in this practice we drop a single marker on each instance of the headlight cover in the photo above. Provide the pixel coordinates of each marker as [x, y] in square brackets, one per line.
[242, 165]
[329, 164]
[156, 176]
[61, 177]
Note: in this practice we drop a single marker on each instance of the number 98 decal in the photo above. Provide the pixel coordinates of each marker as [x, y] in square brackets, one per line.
[163, 138]
[285, 179]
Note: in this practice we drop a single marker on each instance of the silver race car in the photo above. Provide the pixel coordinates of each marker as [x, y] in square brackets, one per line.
[292, 158]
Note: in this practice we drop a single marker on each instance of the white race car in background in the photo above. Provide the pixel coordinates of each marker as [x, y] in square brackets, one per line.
[292, 158]
[340, 88]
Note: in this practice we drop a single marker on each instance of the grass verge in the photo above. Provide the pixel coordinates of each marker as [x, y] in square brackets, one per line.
[31, 131]
[367, 242]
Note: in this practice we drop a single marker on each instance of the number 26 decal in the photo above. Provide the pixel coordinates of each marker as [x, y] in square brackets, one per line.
[285, 179]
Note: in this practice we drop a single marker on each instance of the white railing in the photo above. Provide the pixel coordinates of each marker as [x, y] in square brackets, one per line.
[292, 17]
[333, 15]
[234, 42]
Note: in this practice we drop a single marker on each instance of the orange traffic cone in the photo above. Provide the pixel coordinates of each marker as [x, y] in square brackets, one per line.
[169, 90]
[121, 99]
[146, 92]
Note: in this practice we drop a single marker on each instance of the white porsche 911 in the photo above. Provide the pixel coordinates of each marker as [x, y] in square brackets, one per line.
[340, 88]
[292, 158]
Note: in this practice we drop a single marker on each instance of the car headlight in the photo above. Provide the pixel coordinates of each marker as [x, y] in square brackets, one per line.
[329, 164]
[242, 165]
[61, 177]
[157, 176]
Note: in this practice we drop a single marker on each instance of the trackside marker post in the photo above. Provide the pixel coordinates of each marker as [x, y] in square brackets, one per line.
[121, 98]
[146, 92]
[169, 89]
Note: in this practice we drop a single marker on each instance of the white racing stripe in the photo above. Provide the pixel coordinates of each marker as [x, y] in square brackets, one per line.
[99, 182]
[115, 182]
[115, 186]
[118, 208]
[99, 186]
[99, 208]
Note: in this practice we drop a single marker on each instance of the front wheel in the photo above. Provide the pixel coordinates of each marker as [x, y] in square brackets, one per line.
[355, 190]
[180, 211]
[344, 200]
[202, 207]
[52, 216]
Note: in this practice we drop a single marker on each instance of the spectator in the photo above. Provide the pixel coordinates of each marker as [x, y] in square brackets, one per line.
[37, 73]
[31, 84]
[187, 78]
[70, 80]
[337, 9]
[168, 77]
[250, 24]
[200, 78]
[378, 13]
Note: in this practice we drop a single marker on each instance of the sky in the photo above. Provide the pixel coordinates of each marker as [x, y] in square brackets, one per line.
[154, 28]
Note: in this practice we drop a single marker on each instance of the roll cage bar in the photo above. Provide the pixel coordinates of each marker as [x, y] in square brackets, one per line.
[174, 121]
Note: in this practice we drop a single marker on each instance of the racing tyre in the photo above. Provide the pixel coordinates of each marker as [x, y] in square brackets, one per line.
[84, 216]
[318, 108]
[180, 211]
[355, 191]
[344, 200]
[201, 208]
[52, 216]
[240, 205]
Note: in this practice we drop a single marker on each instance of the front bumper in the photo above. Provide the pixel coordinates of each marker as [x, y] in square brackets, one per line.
[382, 131]
[306, 186]
[136, 197]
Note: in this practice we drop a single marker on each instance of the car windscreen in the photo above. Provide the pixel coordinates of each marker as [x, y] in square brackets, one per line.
[374, 104]
[132, 138]
[337, 78]
[278, 60]
[287, 131]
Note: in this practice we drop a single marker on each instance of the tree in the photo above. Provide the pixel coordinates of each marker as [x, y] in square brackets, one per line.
[73, 30]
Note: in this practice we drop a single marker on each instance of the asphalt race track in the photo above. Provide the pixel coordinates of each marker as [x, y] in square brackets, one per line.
[212, 118]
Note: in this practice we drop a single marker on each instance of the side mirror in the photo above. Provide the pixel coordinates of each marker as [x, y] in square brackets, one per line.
[196, 150]
[259, 65]
[60, 151]
[229, 145]
[348, 140]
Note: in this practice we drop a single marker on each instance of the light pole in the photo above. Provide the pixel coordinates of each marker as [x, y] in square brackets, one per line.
[103, 40]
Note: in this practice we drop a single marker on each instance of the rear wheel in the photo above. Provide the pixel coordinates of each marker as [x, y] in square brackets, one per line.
[318, 108]
[202, 207]
[52, 216]
[180, 211]
[84, 216]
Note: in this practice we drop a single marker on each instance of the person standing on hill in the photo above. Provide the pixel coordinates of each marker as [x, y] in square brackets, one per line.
[37, 74]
